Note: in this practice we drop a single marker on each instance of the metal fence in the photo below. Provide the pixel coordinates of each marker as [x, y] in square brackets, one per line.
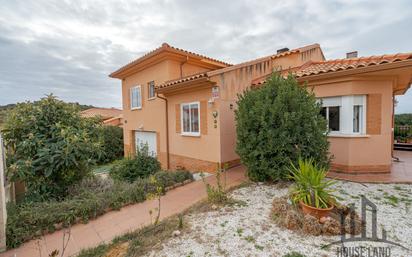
[403, 133]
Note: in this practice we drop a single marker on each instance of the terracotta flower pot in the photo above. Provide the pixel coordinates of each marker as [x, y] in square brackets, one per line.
[315, 212]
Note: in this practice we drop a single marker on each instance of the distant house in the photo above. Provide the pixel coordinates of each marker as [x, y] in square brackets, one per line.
[110, 116]
[182, 104]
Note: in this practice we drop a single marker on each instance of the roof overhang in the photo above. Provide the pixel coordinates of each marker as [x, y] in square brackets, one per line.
[401, 71]
[166, 52]
[186, 86]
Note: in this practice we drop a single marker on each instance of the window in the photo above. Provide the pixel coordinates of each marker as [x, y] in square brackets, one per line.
[135, 98]
[357, 118]
[190, 119]
[345, 114]
[151, 87]
[332, 115]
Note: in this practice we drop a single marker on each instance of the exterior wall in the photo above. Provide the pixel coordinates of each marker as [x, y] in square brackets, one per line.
[195, 153]
[236, 81]
[152, 116]
[372, 152]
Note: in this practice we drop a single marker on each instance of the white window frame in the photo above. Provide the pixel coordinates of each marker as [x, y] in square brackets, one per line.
[150, 84]
[140, 98]
[346, 113]
[185, 133]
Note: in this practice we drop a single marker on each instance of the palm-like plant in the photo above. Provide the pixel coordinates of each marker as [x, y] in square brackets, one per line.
[310, 186]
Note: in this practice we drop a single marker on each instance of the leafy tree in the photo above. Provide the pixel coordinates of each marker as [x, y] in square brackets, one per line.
[111, 142]
[50, 145]
[276, 124]
[403, 119]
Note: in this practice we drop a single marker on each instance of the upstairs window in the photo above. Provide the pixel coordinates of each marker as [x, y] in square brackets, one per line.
[151, 89]
[190, 119]
[135, 98]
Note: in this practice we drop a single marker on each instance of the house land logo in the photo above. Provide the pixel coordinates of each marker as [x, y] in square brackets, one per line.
[364, 251]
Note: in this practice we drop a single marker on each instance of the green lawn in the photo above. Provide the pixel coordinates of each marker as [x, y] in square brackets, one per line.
[104, 168]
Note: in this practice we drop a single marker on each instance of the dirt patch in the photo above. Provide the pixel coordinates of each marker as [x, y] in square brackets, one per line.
[285, 214]
[119, 250]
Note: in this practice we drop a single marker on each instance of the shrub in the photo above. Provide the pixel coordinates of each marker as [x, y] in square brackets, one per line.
[111, 142]
[50, 145]
[310, 186]
[276, 124]
[86, 201]
[141, 165]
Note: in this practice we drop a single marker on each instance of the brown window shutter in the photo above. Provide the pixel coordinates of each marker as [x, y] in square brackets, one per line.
[374, 114]
[178, 124]
[203, 117]
[142, 92]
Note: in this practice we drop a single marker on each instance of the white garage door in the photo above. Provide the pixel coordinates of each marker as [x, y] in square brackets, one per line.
[144, 137]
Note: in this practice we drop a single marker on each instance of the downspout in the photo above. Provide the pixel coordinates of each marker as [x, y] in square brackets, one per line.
[167, 130]
[393, 129]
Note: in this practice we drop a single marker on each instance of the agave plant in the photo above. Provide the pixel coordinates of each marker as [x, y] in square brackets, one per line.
[310, 186]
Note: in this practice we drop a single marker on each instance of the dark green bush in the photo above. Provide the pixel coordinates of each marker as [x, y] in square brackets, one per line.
[276, 124]
[50, 146]
[141, 165]
[88, 200]
[111, 142]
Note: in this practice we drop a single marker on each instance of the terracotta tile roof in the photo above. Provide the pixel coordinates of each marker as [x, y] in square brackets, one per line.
[265, 58]
[105, 113]
[181, 80]
[164, 47]
[316, 68]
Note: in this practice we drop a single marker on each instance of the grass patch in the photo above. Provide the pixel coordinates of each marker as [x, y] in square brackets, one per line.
[140, 241]
[104, 168]
[391, 199]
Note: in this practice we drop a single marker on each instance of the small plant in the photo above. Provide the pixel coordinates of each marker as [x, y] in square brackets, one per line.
[141, 165]
[156, 194]
[311, 187]
[180, 226]
[217, 194]
[294, 254]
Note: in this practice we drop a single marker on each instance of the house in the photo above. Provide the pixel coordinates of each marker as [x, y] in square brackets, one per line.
[109, 116]
[181, 104]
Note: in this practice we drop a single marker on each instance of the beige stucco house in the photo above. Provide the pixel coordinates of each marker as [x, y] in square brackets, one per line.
[182, 104]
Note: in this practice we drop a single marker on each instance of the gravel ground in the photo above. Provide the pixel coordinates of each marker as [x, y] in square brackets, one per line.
[248, 231]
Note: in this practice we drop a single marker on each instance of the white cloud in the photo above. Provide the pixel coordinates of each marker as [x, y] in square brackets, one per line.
[67, 47]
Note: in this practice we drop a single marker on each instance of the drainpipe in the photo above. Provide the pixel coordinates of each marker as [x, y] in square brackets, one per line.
[393, 129]
[167, 130]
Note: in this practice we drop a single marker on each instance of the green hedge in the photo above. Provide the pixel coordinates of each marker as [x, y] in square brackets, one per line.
[140, 165]
[87, 200]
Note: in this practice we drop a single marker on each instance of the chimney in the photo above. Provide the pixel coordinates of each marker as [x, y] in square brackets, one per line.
[353, 54]
[282, 50]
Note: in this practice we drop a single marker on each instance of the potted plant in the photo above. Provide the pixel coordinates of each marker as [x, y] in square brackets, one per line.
[311, 190]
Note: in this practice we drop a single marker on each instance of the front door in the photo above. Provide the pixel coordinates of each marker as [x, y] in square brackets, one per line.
[143, 138]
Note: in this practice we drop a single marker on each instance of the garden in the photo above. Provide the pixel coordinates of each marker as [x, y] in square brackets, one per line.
[288, 208]
[53, 151]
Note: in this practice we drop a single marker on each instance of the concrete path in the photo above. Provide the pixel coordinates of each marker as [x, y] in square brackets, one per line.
[401, 172]
[129, 218]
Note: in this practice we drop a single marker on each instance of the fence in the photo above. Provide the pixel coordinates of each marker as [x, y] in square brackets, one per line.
[403, 133]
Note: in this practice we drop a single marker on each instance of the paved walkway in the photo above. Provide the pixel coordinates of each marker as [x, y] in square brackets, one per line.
[401, 172]
[129, 218]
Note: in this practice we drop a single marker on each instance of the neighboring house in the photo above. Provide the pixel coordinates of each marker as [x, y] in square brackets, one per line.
[182, 104]
[110, 116]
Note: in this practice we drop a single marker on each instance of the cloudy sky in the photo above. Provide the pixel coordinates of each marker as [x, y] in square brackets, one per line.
[68, 48]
